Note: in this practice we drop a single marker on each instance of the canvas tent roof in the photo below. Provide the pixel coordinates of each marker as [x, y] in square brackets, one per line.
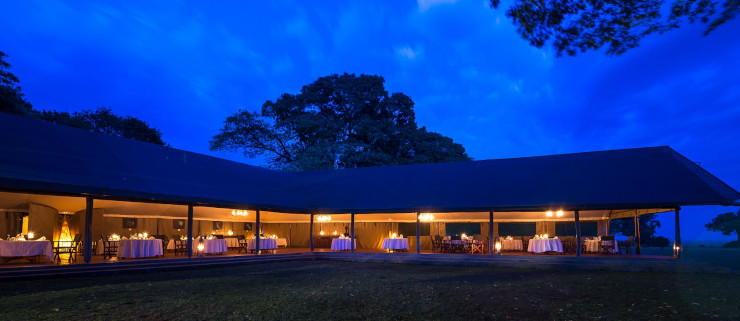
[47, 158]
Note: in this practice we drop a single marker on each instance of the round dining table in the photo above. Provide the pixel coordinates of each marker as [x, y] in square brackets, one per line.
[265, 244]
[395, 244]
[128, 248]
[26, 248]
[511, 245]
[545, 245]
[342, 244]
[593, 245]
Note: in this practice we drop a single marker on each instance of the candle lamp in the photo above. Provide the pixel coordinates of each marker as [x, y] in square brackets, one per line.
[30, 235]
[230, 233]
[498, 248]
[321, 232]
[201, 247]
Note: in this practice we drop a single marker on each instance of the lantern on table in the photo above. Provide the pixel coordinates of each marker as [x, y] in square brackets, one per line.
[30, 235]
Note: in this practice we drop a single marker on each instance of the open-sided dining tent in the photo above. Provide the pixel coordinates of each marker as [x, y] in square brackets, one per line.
[76, 171]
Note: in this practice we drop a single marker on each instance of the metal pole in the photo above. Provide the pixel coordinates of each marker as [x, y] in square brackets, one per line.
[491, 242]
[310, 233]
[257, 234]
[418, 234]
[190, 231]
[637, 235]
[578, 232]
[87, 251]
[677, 241]
[352, 233]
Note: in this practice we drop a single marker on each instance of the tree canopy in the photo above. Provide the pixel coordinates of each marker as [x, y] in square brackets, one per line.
[726, 223]
[582, 25]
[338, 121]
[11, 97]
[626, 226]
[101, 120]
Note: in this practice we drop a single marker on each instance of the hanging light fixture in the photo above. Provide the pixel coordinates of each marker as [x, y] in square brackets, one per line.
[426, 217]
[323, 218]
[239, 212]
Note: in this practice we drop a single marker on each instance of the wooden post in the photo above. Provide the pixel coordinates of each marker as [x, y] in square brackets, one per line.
[677, 240]
[257, 234]
[418, 234]
[578, 232]
[637, 235]
[310, 233]
[190, 231]
[352, 232]
[87, 252]
[491, 242]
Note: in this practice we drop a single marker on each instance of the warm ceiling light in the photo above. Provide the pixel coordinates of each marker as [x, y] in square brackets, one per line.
[239, 212]
[548, 213]
[560, 213]
[426, 217]
[323, 218]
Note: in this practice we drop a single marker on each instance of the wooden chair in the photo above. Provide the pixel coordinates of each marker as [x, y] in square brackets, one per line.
[110, 249]
[164, 241]
[477, 246]
[437, 244]
[243, 244]
[606, 245]
[66, 247]
[626, 245]
[219, 236]
[180, 245]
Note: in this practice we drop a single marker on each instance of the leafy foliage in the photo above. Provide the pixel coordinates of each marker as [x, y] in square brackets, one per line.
[726, 223]
[583, 25]
[11, 97]
[626, 227]
[101, 120]
[336, 122]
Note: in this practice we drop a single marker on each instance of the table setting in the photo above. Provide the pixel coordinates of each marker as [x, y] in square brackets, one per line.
[19, 246]
[543, 243]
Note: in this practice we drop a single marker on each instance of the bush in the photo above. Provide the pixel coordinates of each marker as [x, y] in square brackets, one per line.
[658, 241]
[733, 244]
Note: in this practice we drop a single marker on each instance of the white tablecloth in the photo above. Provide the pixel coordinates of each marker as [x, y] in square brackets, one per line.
[139, 248]
[395, 244]
[281, 242]
[212, 246]
[513, 245]
[26, 248]
[265, 244]
[232, 241]
[338, 244]
[546, 245]
[209, 246]
[593, 245]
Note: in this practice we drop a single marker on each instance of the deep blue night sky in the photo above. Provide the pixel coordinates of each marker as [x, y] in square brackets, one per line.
[183, 67]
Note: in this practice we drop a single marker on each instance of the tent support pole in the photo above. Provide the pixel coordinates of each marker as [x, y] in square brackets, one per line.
[637, 234]
[87, 252]
[352, 232]
[190, 231]
[257, 233]
[677, 240]
[418, 234]
[578, 232]
[491, 242]
[310, 233]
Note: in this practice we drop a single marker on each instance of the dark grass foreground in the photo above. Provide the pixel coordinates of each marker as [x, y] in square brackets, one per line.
[336, 290]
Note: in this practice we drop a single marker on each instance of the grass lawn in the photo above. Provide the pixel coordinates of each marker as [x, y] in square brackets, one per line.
[323, 290]
[716, 256]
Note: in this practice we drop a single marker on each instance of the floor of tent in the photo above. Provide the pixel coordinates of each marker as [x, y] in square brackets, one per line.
[287, 250]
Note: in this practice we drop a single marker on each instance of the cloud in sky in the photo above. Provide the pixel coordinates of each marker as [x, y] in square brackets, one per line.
[185, 66]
